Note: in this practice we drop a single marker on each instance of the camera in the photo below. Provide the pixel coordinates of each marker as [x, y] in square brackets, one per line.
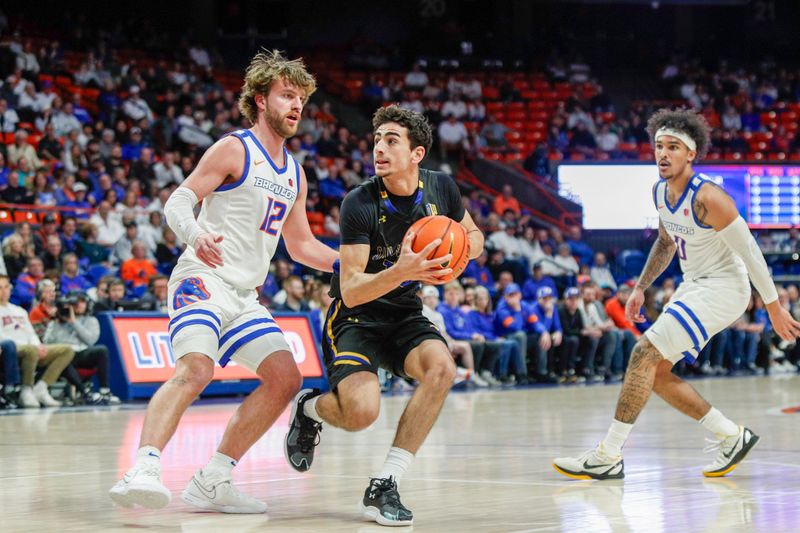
[63, 306]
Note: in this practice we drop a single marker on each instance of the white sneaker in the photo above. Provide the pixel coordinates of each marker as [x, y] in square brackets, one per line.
[219, 494]
[490, 379]
[27, 398]
[477, 380]
[42, 393]
[594, 464]
[141, 485]
[732, 450]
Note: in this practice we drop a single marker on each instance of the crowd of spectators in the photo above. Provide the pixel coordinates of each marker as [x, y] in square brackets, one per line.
[96, 145]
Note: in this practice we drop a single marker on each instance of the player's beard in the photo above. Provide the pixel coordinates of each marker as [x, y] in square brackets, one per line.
[277, 123]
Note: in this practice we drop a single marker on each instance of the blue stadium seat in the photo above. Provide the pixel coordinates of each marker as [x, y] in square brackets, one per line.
[630, 263]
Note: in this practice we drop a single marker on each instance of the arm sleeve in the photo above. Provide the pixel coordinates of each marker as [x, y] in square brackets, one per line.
[356, 219]
[738, 238]
[455, 209]
[179, 212]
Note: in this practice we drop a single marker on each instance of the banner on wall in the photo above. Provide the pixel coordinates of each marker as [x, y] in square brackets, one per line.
[142, 358]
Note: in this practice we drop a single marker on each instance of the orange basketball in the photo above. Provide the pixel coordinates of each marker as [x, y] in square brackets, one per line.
[454, 241]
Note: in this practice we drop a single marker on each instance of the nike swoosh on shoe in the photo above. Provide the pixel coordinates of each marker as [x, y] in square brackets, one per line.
[207, 493]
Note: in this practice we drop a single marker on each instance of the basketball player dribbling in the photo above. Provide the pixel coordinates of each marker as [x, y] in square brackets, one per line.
[700, 222]
[253, 191]
[376, 318]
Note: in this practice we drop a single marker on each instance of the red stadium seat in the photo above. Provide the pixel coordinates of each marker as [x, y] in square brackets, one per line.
[26, 216]
[490, 93]
[534, 136]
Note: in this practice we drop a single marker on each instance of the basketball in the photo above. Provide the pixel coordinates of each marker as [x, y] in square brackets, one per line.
[454, 241]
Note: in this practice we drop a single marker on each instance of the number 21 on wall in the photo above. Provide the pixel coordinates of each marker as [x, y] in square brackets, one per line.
[681, 247]
[275, 213]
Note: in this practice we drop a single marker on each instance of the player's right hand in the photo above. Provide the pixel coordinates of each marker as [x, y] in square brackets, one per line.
[633, 309]
[417, 266]
[783, 323]
[208, 250]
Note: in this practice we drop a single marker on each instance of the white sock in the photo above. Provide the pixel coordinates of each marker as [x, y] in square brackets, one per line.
[310, 409]
[219, 465]
[397, 462]
[615, 438]
[149, 455]
[716, 422]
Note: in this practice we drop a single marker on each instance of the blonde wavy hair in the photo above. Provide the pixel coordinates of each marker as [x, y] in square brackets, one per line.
[266, 68]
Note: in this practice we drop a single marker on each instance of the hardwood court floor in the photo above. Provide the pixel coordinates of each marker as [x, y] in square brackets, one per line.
[485, 467]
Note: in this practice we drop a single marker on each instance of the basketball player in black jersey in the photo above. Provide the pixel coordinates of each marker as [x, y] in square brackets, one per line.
[376, 318]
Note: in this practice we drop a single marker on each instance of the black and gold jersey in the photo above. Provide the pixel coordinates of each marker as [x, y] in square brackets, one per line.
[372, 215]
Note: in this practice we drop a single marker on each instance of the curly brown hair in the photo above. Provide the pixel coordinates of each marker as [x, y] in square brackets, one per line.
[419, 130]
[684, 120]
[266, 67]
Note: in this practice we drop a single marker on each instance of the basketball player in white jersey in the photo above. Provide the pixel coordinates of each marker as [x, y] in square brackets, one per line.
[699, 221]
[253, 191]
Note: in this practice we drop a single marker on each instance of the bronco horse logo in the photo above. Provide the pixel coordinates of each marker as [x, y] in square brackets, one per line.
[190, 290]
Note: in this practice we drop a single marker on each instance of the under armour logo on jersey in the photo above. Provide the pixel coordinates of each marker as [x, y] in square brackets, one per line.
[382, 219]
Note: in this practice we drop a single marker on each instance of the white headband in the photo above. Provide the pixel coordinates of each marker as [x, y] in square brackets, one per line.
[688, 141]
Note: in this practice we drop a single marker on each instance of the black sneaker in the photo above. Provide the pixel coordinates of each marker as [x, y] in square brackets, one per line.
[382, 504]
[303, 433]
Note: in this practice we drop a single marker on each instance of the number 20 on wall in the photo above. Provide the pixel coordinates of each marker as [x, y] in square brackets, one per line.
[681, 247]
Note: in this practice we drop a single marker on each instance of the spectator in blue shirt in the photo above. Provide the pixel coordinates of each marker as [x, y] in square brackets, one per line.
[532, 286]
[69, 235]
[80, 201]
[71, 280]
[455, 319]
[579, 248]
[481, 318]
[544, 334]
[478, 274]
[512, 320]
[133, 148]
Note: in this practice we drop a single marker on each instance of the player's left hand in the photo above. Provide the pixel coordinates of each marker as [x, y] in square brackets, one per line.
[784, 325]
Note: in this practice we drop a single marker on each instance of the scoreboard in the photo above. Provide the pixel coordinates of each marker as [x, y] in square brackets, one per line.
[767, 196]
[773, 196]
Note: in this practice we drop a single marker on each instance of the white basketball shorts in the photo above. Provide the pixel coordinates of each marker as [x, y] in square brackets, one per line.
[698, 310]
[210, 316]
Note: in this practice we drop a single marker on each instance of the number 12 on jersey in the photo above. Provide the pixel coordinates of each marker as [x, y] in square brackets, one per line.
[276, 210]
[681, 247]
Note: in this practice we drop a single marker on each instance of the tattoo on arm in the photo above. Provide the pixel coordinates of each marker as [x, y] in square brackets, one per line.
[659, 259]
[700, 211]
